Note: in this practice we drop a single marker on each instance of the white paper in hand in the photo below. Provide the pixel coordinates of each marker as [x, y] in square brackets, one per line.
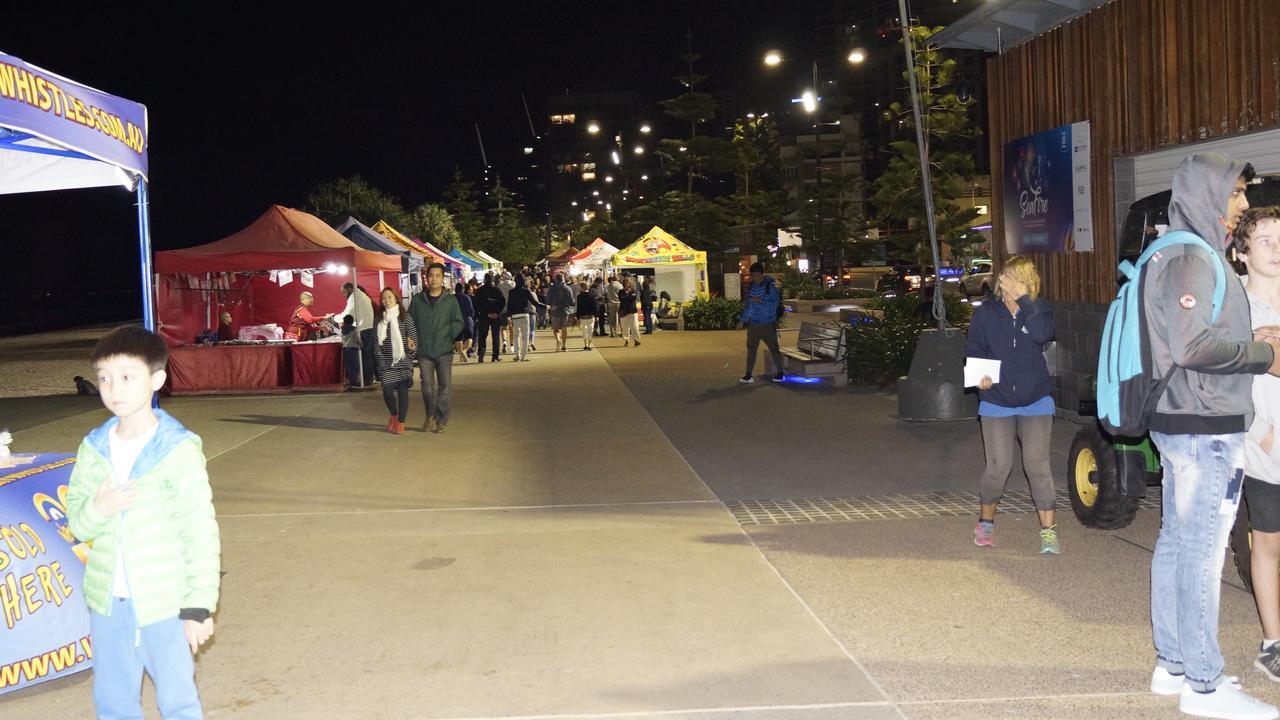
[977, 368]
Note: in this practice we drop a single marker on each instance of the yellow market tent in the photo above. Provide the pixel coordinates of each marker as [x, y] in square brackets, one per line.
[678, 269]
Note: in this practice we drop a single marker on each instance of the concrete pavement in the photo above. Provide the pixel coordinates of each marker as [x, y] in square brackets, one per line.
[564, 551]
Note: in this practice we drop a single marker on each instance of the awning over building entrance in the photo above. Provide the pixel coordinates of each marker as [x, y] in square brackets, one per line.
[1001, 24]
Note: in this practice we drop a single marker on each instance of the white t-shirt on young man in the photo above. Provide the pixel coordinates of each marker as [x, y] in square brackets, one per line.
[1266, 406]
[124, 453]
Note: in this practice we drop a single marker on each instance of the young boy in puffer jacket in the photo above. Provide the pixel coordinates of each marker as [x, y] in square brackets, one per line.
[140, 494]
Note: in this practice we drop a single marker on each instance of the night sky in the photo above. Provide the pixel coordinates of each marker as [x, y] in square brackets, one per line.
[248, 109]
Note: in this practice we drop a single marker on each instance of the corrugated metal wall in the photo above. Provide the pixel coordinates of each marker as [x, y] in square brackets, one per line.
[1147, 74]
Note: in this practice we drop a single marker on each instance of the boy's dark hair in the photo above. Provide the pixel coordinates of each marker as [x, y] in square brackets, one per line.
[349, 287]
[435, 265]
[1248, 173]
[1249, 223]
[757, 267]
[348, 320]
[132, 341]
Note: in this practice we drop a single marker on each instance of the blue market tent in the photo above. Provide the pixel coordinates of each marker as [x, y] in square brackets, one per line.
[365, 236]
[57, 134]
[473, 265]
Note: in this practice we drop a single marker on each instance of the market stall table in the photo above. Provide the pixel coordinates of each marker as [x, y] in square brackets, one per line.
[261, 368]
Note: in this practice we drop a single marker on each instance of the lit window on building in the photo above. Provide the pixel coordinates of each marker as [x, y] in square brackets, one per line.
[589, 167]
[588, 176]
[567, 168]
[568, 119]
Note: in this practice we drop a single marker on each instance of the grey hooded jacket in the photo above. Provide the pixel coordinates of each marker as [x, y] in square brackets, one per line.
[1210, 388]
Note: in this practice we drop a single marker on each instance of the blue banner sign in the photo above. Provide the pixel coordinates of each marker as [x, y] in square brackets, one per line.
[44, 623]
[75, 116]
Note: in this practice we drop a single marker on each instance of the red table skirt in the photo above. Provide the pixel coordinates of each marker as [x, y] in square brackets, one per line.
[199, 369]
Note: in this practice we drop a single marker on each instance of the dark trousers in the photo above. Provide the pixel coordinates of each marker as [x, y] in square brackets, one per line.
[351, 363]
[368, 341]
[769, 334]
[648, 318]
[396, 395]
[600, 315]
[489, 328]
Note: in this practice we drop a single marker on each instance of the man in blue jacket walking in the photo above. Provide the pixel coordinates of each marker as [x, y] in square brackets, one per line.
[760, 317]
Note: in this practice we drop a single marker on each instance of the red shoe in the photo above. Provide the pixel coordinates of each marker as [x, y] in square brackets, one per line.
[398, 429]
[391, 424]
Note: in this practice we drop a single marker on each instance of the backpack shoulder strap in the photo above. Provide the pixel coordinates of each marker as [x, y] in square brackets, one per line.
[1182, 237]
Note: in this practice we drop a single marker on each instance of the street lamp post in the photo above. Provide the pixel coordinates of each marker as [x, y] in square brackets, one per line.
[811, 102]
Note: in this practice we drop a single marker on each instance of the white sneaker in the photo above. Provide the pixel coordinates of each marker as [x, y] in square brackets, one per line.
[1227, 702]
[1164, 682]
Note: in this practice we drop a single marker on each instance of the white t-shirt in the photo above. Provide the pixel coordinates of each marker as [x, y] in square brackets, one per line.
[124, 453]
[1266, 407]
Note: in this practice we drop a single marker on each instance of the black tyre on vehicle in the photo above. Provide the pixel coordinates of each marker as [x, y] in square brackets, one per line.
[1092, 483]
[1241, 545]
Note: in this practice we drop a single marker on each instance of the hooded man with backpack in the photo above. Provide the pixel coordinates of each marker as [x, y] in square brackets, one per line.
[761, 310]
[1200, 346]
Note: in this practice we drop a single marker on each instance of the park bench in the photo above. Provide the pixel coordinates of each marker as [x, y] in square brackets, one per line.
[818, 352]
[675, 321]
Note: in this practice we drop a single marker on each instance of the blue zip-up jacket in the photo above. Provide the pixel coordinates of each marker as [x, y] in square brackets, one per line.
[764, 312]
[1018, 343]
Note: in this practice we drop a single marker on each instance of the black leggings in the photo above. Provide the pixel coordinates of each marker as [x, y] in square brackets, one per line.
[396, 396]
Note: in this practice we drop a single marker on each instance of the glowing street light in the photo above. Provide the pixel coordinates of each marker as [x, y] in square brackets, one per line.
[574, 203]
[857, 56]
[644, 177]
[773, 58]
[595, 193]
[639, 149]
[645, 128]
[593, 128]
[810, 101]
[608, 178]
[614, 156]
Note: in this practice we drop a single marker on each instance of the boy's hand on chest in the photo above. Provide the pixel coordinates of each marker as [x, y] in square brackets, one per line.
[112, 498]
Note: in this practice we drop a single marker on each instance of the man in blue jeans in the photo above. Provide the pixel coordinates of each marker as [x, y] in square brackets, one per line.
[1199, 427]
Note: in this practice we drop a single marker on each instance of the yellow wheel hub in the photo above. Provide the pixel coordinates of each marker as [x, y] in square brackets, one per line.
[1086, 489]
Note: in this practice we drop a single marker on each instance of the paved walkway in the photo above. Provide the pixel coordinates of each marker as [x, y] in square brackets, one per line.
[565, 551]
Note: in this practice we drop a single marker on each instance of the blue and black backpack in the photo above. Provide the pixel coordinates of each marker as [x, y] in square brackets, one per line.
[1128, 389]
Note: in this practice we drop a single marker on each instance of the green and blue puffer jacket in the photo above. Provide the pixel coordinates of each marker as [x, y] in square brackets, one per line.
[169, 537]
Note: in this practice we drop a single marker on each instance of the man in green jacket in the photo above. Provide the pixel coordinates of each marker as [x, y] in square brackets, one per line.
[140, 494]
[438, 319]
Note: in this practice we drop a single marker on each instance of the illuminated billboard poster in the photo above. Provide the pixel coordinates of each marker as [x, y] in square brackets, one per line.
[1047, 192]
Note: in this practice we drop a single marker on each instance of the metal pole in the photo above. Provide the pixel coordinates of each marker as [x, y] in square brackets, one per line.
[939, 308]
[817, 170]
[144, 250]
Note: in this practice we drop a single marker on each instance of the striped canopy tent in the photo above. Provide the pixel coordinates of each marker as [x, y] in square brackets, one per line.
[494, 263]
[430, 253]
[473, 266]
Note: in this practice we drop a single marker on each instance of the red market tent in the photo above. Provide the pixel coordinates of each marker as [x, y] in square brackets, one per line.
[234, 274]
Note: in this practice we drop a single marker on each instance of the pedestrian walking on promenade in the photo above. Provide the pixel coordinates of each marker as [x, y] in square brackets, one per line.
[521, 304]
[543, 291]
[397, 343]
[598, 291]
[1199, 427]
[1019, 409]
[586, 308]
[760, 318]
[627, 313]
[490, 306]
[462, 343]
[647, 297]
[561, 300]
[611, 290]
[505, 285]
[438, 320]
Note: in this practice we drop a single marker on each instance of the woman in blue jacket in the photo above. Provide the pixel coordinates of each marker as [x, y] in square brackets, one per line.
[1013, 327]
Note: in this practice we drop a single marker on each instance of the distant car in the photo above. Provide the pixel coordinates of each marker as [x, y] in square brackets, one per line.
[980, 281]
[901, 279]
[914, 278]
